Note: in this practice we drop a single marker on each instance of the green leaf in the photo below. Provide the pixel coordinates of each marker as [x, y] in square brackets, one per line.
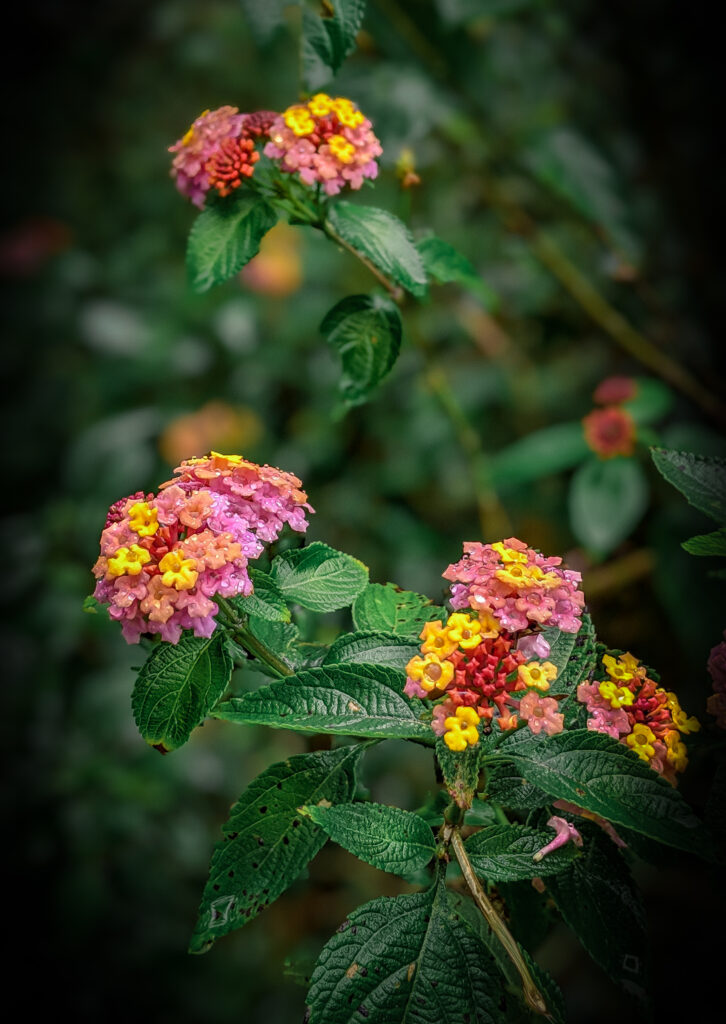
[506, 786]
[372, 649]
[178, 686]
[386, 837]
[446, 265]
[700, 478]
[225, 237]
[406, 960]
[365, 700]
[267, 842]
[460, 770]
[328, 39]
[561, 647]
[577, 668]
[707, 543]
[598, 773]
[541, 453]
[384, 240]
[279, 637]
[503, 853]
[607, 499]
[264, 19]
[92, 606]
[318, 577]
[599, 901]
[386, 608]
[266, 601]
[365, 331]
[653, 400]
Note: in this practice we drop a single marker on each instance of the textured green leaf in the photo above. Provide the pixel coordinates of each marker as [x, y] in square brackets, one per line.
[372, 649]
[225, 237]
[579, 664]
[267, 842]
[361, 700]
[598, 773]
[700, 478]
[386, 608]
[507, 787]
[384, 240]
[561, 647]
[446, 265]
[266, 602]
[386, 837]
[318, 577]
[280, 637]
[708, 544]
[503, 853]
[406, 960]
[178, 686]
[365, 331]
[599, 901]
[607, 499]
[327, 39]
[541, 453]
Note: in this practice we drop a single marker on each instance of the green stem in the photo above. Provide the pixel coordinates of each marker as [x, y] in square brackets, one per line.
[250, 642]
[499, 812]
[532, 994]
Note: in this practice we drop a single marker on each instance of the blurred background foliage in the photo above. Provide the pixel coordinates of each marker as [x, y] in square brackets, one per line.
[583, 125]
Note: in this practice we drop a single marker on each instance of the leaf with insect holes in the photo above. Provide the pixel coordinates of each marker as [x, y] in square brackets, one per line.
[267, 841]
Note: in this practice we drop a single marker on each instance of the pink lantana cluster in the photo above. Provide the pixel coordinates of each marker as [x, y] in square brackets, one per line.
[326, 141]
[716, 703]
[624, 703]
[517, 586]
[218, 152]
[165, 556]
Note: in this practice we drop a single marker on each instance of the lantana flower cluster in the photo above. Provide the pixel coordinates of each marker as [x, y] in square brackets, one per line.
[165, 556]
[623, 702]
[218, 151]
[716, 703]
[326, 141]
[517, 586]
[480, 666]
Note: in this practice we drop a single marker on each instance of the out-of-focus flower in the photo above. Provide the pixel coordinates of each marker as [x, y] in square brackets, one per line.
[564, 833]
[217, 152]
[165, 556]
[615, 390]
[27, 246]
[716, 666]
[716, 705]
[517, 586]
[277, 268]
[633, 709]
[216, 425]
[326, 141]
[610, 432]
[406, 169]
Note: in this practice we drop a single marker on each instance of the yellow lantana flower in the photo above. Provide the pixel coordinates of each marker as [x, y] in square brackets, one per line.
[298, 119]
[178, 572]
[341, 148]
[538, 674]
[683, 723]
[508, 554]
[143, 519]
[436, 639]
[618, 696]
[464, 630]
[676, 751]
[461, 730]
[128, 561]
[346, 113]
[320, 105]
[430, 672]
[616, 669]
[641, 740]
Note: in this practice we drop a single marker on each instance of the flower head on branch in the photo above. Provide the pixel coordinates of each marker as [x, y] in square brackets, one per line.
[165, 556]
[326, 141]
[610, 432]
[625, 704]
[516, 586]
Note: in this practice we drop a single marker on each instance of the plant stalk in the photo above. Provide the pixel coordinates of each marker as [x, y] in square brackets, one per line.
[250, 642]
[532, 994]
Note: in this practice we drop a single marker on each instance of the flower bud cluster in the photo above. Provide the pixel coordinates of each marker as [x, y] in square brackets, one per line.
[165, 556]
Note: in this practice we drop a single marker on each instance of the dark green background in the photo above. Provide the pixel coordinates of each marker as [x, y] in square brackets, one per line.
[105, 346]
